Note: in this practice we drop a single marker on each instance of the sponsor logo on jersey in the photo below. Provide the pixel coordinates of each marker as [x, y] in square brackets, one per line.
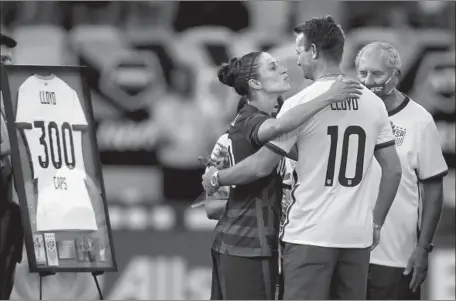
[399, 133]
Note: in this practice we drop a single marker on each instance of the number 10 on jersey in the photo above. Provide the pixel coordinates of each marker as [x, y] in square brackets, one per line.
[333, 132]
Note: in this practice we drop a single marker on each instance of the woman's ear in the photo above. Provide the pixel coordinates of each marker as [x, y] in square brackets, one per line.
[314, 50]
[255, 84]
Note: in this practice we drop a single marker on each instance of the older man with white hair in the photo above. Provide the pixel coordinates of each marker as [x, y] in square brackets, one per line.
[398, 266]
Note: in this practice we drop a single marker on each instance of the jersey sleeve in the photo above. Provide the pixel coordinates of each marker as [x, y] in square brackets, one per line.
[79, 119]
[24, 113]
[431, 163]
[283, 144]
[252, 125]
[385, 136]
[221, 142]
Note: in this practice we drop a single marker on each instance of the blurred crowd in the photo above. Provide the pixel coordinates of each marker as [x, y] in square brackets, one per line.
[158, 105]
[151, 67]
[235, 15]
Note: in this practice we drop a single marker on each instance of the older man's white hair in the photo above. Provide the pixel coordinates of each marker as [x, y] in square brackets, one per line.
[388, 52]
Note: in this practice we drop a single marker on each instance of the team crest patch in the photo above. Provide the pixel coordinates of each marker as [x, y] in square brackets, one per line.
[399, 133]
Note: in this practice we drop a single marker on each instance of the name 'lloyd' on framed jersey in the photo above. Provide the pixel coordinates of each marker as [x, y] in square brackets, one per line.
[57, 170]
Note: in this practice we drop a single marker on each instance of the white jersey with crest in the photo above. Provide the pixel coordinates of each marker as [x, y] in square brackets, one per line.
[419, 149]
[222, 143]
[331, 204]
[286, 170]
[49, 112]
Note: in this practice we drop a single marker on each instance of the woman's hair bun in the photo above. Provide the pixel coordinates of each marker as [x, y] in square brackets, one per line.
[226, 73]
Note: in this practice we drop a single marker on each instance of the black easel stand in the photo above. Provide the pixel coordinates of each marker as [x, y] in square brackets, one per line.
[43, 274]
[94, 275]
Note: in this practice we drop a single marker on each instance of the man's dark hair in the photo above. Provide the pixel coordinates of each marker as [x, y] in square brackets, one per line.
[326, 34]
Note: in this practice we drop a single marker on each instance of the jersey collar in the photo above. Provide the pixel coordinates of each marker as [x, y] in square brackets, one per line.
[253, 109]
[400, 107]
[44, 77]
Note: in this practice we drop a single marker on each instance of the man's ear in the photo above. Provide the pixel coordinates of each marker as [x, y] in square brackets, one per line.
[255, 84]
[397, 77]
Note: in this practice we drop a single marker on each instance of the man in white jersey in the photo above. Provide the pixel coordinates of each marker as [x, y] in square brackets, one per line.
[330, 227]
[399, 263]
[51, 116]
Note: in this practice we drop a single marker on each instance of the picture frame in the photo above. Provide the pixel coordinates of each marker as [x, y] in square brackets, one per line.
[68, 235]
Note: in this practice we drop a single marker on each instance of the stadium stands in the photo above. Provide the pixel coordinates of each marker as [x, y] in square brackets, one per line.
[137, 64]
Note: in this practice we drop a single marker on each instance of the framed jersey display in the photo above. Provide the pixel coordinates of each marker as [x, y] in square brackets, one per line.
[57, 170]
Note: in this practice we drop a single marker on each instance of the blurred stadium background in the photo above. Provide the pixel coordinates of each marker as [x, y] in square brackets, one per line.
[158, 106]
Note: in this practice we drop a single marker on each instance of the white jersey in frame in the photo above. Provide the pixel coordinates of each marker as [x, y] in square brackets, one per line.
[51, 116]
